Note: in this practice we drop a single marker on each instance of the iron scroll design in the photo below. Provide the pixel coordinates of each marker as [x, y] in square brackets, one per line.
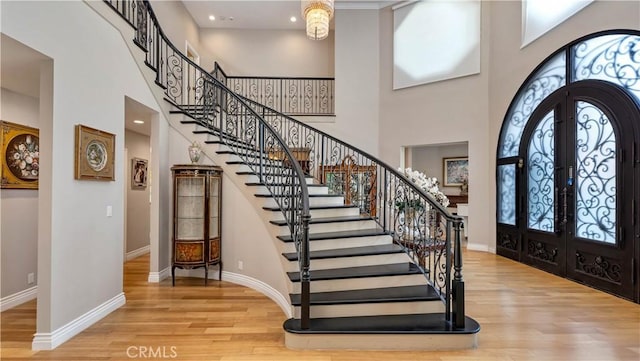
[508, 241]
[255, 133]
[428, 233]
[599, 267]
[538, 250]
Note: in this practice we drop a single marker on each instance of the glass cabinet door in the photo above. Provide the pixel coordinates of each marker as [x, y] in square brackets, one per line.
[190, 208]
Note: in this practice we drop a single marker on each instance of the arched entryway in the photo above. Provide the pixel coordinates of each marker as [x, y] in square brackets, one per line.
[568, 165]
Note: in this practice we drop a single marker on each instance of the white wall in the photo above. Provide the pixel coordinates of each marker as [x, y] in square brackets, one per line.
[245, 52]
[178, 25]
[18, 231]
[450, 111]
[138, 207]
[83, 248]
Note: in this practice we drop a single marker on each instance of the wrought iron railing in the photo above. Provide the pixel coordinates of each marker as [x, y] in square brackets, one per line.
[420, 224]
[211, 104]
[288, 95]
[429, 234]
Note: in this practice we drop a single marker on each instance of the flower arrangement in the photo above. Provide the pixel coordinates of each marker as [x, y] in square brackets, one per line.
[427, 184]
[23, 157]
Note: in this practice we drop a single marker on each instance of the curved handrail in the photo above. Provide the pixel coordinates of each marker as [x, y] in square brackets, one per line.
[212, 105]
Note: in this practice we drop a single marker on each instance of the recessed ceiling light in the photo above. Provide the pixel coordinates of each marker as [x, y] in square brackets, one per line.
[212, 18]
[293, 19]
[138, 121]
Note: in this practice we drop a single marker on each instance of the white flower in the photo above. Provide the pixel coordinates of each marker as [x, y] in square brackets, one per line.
[429, 185]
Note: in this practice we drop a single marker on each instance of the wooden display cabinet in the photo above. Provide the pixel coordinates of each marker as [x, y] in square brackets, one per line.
[197, 202]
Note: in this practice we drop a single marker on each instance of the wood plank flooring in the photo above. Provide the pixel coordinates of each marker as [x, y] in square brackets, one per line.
[525, 314]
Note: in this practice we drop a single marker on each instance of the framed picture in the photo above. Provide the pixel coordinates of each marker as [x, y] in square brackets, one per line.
[456, 170]
[94, 158]
[20, 156]
[139, 173]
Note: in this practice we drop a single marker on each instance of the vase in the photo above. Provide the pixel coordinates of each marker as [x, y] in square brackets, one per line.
[194, 153]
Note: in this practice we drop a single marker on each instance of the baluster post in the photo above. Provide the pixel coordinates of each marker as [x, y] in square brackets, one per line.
[457, 285]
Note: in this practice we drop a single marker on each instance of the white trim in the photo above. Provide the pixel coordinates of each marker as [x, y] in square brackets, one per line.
[49, 341]
[138, 252]
[478, 247]
[261, 287]
[18, 298]
[156, 277]
[361, 5]
[403, 4]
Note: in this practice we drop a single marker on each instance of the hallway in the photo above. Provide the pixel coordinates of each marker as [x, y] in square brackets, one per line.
[525, 313]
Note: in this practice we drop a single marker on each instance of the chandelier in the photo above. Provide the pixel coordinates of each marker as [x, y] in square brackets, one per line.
[317, 14]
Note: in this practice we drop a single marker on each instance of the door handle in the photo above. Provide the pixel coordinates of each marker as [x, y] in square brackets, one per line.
[565, 206]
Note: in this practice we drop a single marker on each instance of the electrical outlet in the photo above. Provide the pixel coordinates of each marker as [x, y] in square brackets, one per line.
[240, 265]
[31, 278]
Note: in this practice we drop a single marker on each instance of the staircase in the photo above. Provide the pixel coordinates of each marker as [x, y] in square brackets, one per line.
[361, 274]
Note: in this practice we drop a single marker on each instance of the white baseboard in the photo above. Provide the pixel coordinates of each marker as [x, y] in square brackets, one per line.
[49, 341]
[138, 252]
[479, 247]
[18, 298]
[261, 287]
[156, 277]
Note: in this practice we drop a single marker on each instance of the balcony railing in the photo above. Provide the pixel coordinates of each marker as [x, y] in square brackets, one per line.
[289, 95]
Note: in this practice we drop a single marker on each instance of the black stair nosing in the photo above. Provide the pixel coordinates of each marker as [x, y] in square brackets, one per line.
[321, 220]
[236, 144]
[248, 172]
[339, 234]
[424, 292]
[334, 206]
[384, 270]
[421, 323]
[258, 184]
[272, 164]
[287, 195]
[375, 250]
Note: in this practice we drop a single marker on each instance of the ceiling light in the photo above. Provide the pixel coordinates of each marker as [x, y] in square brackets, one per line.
[138, 121]
[293, 19]
[212, 18]
[317, 14]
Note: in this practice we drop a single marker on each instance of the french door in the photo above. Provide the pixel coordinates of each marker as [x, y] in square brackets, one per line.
[576, 191]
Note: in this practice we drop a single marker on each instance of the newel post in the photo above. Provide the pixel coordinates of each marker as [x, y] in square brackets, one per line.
[457, 285]
[305, 278]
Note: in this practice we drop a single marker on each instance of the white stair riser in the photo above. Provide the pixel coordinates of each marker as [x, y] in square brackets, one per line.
[323, 213]
[333, 227]
[423, 342]
[361, 283]
[373, 309]
[268, 169]
[313, 201]
[312, 190]
[341, 243]
[344, 262]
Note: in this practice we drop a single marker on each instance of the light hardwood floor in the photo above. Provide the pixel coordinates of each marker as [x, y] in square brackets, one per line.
[525, 314]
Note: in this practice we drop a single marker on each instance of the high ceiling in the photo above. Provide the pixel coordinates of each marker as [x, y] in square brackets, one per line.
[261, 14]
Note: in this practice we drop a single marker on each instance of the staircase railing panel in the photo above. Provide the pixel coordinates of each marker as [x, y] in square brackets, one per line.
[417, 221]
[211, 104]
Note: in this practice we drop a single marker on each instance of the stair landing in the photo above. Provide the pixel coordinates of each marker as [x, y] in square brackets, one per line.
[394, 332]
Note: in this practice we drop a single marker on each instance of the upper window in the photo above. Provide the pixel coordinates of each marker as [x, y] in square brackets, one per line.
[540, 16]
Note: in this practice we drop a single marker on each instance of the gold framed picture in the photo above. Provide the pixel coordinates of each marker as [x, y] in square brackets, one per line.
[94, 154]
[139, 173]
[20, 156]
